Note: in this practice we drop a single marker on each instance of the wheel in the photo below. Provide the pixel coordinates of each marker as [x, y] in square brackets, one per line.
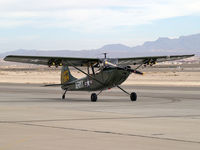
[93, 97]
[63, 96]
[133, 96]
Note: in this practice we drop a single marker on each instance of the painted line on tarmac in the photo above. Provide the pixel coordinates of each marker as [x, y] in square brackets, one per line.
[112, 133]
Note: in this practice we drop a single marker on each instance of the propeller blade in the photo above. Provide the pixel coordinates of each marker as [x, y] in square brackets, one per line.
[131, 70]
[107, 63]
[128, 68]
[136, 71]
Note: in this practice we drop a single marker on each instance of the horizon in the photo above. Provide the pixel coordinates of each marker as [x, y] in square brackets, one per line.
[62, 25]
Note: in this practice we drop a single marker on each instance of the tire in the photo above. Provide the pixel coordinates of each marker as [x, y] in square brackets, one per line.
[93, 97]
[133, 96]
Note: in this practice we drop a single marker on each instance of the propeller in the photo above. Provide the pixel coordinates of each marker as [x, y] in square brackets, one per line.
[135, 71]
[127, 68]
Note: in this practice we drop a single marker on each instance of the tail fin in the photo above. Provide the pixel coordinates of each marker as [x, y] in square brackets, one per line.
[66, 75]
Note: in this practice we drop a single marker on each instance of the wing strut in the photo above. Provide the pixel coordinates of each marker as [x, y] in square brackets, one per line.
[142, 64]
[138, 66]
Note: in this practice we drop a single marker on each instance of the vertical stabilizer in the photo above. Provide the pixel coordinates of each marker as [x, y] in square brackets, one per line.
[66, 75]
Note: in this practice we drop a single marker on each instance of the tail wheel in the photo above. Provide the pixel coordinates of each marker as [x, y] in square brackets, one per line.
[133, 96]
[93, 97]
[63, 96]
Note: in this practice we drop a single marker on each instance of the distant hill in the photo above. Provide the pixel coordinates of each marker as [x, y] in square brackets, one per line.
[162, 46]
[185, 44]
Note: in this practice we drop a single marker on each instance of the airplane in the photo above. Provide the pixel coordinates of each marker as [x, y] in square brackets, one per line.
[110, 72]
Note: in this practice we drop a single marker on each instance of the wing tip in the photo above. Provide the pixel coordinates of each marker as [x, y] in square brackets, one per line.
[5, 58]
[191, 55]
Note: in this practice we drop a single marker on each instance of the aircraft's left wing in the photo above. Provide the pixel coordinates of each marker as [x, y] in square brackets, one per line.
[150, 59]
[52, 61]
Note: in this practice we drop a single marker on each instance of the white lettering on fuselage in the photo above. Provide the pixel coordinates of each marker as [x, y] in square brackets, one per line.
[81, 84]
[87, 83]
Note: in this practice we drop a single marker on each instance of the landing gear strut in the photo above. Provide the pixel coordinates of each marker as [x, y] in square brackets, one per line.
[63, 96]
[133, 95]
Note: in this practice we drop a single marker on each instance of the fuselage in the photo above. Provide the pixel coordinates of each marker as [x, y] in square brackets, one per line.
[109, 77]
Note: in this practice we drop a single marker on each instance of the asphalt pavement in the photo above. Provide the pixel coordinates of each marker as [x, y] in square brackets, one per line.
[163, 117]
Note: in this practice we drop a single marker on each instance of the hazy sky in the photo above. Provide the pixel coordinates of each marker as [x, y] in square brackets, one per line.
[87, 24]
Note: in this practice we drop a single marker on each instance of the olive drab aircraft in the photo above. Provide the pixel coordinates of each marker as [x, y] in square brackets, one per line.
[105, 73]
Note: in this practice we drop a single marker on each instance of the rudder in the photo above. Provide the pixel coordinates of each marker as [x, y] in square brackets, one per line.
[66, 75]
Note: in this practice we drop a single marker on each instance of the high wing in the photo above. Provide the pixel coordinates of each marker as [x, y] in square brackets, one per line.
[55, 61]
[59, 61]
[150, 59]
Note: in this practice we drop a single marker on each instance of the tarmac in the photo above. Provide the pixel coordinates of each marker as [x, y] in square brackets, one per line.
[163, 118]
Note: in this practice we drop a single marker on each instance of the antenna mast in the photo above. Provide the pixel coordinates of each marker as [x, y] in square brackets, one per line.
[105, 55]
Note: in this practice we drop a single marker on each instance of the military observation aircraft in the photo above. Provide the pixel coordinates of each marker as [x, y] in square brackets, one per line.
[109, 73]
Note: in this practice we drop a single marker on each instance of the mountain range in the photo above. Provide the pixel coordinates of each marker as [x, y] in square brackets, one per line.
[162, 46]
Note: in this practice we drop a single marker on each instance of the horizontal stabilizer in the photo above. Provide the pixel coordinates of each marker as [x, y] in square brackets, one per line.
[66, 84]
[53, 85]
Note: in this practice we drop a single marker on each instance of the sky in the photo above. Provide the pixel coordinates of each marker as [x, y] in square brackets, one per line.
[90, 24]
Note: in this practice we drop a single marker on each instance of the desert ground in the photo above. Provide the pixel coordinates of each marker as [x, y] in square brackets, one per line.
[174, 75]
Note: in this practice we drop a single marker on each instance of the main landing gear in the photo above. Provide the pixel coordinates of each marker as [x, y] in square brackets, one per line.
[133, 95]
[94, 96]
